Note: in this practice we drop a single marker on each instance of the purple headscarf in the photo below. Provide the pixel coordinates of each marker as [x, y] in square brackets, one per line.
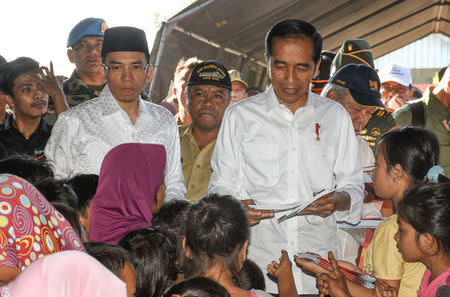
[130, 176]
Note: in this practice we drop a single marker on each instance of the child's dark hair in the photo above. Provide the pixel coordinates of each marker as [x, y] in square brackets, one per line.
[111, 256]
[197, 287]
[251, 277]
[26, 167]
[217, 228]
[15, 68]
[415, 149]
[85, 186]
[169, 213]
[57, 191]
[153, 254]
[426, 208]
[172, 216]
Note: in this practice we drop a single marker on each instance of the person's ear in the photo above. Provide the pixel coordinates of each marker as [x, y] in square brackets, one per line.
[174, 91]
[159, 199]
[428, 244]
[316, 70]
[243, 252]
[149, 76]
[9, 100]
[187, 251]
[397, 173]
[70, 55]
[331, 94]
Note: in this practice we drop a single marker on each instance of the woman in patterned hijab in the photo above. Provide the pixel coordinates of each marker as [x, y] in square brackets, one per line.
[30, 227]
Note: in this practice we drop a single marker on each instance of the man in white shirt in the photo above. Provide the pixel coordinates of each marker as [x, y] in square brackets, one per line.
[282, 146]
[83, 135]
[357, 89]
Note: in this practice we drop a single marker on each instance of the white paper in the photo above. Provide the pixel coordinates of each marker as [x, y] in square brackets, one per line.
[362, 224]
[274, 207]
[301, 206]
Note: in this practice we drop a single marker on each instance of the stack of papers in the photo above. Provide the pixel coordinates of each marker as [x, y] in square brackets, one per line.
[292, 209]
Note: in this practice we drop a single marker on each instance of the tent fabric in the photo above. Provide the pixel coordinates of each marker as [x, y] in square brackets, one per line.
[233, 31]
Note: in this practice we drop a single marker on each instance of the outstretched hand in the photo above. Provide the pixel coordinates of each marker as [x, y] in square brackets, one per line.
[255, 216]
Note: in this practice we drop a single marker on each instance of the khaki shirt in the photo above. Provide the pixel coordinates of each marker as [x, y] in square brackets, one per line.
[435, 113]
[195, 163]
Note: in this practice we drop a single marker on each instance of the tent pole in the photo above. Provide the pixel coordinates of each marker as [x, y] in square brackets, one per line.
[167, 29]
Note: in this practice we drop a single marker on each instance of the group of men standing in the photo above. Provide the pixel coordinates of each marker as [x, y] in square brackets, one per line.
[277, 147]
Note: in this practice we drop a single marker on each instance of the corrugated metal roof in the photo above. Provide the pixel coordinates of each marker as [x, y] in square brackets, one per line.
[432, 51]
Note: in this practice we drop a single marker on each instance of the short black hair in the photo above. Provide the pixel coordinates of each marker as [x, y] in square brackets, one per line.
[251, 277]
[57, 191]
[112, 256]
[153, 254]
[2, 60]
[197, 287]
[426, 208]
[415, 149]
[169, 215]
[27, 168]
[294, 28]
[217, 228]
[85, 186]
[13, 69]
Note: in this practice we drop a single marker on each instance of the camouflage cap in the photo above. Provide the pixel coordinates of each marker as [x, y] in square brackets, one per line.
[354, 51]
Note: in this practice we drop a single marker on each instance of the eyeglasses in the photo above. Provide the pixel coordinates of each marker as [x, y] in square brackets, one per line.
[119, 68]
[396, 89]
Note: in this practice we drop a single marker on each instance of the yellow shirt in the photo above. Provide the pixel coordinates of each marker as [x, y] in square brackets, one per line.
[195, 163]
[383, 259]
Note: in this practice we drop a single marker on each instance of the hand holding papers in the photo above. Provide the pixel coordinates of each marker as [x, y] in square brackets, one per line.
[292, 209]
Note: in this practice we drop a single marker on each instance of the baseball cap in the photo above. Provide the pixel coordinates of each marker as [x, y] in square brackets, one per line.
[210, 72]
[238, 76]
[363, 83]
[124, 39]
[354, 51]
[398, 73]
[87, 27]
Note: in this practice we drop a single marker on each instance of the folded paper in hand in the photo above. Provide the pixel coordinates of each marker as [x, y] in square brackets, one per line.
[292, 208]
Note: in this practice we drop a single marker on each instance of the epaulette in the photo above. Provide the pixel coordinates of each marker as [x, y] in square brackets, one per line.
[382, 113]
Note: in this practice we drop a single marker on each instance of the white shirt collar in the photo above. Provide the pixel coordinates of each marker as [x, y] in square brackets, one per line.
[111, 106]
[272, 102]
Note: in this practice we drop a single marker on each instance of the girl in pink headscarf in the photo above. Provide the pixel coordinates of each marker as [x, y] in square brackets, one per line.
[130, 180]
[66, 274]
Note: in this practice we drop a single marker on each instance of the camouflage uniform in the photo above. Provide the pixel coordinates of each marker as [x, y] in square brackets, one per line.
[380, 122]
[76, 91]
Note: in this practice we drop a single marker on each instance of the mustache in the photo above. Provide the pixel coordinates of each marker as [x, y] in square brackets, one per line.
[38, 102]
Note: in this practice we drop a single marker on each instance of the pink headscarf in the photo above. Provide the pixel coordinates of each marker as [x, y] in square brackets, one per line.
[66, 274]
[130, 176]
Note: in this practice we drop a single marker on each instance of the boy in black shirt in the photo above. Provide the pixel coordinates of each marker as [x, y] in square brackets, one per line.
[28, 87]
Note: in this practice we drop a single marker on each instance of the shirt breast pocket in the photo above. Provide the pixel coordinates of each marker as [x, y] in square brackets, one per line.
[262, 164]
[320, 160]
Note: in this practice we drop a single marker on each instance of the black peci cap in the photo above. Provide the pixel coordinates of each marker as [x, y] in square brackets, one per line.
[124, 39]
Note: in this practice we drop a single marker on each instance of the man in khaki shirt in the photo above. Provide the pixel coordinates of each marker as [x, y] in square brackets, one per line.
[208, 95]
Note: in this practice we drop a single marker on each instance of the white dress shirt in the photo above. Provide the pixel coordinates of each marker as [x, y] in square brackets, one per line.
[83, 135]
[265, 153]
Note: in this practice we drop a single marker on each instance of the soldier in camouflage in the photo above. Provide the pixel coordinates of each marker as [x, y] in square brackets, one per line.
[84, 50]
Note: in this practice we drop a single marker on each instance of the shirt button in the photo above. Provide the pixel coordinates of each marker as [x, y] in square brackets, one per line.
[198, 166]
[192, 186]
